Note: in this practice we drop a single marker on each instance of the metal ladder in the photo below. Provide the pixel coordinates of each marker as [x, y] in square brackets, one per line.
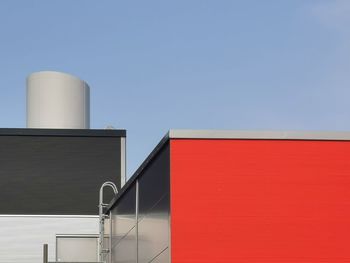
[101, 206]
[101, 250]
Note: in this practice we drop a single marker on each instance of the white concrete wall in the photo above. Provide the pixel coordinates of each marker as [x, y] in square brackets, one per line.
[22, 237]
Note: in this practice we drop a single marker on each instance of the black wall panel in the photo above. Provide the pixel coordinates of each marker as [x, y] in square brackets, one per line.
[56, 174]
[154, 181]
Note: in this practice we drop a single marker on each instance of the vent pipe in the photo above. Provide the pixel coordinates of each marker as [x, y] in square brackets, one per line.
[57, 100]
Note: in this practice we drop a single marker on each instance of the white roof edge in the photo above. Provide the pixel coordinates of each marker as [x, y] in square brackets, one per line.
[270, 135]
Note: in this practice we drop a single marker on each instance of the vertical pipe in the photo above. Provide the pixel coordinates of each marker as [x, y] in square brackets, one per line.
[45, 254]
[123, 162]
[137, 220]
[101, 229]
[110, 237]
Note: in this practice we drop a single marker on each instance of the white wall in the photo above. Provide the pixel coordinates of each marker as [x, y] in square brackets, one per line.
[22, 237]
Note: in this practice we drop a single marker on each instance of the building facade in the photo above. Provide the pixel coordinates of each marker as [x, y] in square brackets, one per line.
[226, 196]
[49, 186]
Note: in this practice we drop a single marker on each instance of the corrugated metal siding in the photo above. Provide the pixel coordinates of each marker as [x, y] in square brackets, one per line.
[252, 201]
[22, 237]
[47, 175]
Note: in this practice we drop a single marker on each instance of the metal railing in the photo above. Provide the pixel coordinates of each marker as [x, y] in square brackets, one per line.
[101, 250]
[102, 216]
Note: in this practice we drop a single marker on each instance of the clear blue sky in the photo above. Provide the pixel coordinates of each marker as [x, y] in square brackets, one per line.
[157, 65]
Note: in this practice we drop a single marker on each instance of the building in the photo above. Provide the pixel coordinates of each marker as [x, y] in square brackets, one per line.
[230, 196]
[51, 174]
[50, 180]
[200, 196]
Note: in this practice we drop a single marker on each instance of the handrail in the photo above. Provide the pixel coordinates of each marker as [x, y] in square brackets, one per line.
[102, 218]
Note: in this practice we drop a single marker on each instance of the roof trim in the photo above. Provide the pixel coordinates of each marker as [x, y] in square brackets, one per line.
[259, 135]
[62, 132]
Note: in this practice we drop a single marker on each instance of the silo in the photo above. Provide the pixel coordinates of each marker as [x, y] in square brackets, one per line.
[57, 100]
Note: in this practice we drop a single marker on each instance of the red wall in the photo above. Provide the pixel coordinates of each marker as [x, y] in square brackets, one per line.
[260, 201]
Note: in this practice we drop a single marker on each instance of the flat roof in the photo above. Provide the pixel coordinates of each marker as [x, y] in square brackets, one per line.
[62, 132]
[259, 135]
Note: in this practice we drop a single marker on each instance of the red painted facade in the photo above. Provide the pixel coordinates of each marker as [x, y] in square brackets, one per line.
[259, 201]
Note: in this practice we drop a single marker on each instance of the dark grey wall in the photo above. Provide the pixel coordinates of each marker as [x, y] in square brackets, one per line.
[56, 174]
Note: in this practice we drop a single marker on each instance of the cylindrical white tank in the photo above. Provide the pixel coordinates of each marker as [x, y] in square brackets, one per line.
[57, 100]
